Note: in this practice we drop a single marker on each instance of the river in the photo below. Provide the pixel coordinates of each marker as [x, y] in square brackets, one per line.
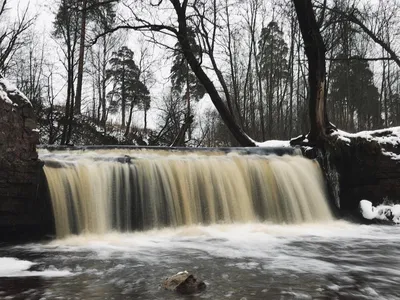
[324, 260]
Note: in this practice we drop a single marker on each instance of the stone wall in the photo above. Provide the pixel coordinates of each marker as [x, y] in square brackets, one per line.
[363, 166]
[22, 213]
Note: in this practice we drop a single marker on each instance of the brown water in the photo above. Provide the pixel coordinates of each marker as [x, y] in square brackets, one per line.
[101, 191]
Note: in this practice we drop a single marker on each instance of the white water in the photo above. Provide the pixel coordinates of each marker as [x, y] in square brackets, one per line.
[329, 260]
[101, 191]
[13, 267]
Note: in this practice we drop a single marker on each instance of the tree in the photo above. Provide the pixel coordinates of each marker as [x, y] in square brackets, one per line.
[182, 77]
[171, 116]
[11, 35]
[128, 89]
[356, 107]
[66, 28]
[100, 54]
[185, 84]
[273, 69]
[315, 52]
[180, 31]
[89, 9]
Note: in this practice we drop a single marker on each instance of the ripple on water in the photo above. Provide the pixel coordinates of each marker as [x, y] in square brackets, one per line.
[255, 261]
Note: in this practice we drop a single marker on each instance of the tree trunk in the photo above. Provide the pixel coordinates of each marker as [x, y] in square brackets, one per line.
[123, 98]
[180, 138]
[103, 86]
[315, 51]
[128, 125]
[78, 98]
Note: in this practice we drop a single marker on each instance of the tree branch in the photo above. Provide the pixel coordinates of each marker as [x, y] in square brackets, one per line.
[350, 16]
[146, 27]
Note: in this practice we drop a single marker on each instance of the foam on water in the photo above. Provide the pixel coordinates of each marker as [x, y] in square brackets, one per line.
[257, 240]
[13, 267]
[255, 260]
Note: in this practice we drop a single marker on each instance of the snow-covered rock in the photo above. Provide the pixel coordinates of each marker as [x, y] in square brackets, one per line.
[11, 95]
[388, 139]
[390, 213]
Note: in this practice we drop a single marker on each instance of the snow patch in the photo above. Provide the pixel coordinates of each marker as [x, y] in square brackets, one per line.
[4, 97]
[388, 137]
[389, 213]
[392, 155]
[274, 143]
[382, 136]
[9, 91]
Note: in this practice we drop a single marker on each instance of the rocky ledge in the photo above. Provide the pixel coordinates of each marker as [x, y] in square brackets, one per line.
[363, 165]
[22, 214]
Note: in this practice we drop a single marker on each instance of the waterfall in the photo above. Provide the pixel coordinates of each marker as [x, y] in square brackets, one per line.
[103, 191]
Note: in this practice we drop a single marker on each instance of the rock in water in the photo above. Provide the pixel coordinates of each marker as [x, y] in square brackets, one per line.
[184, 283]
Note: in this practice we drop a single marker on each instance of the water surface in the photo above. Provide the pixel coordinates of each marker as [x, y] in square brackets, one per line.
[331, 260]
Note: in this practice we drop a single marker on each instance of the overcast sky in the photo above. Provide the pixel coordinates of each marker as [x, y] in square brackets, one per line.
[44, 10]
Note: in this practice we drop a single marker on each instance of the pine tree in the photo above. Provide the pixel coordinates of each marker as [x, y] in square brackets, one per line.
[128, 89]
[272, 53]
[353, 96]
[184, 82]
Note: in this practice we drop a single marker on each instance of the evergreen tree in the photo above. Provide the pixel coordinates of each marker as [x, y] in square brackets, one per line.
[184, 82]
[128, 89]
[272, 53]
[353, 97]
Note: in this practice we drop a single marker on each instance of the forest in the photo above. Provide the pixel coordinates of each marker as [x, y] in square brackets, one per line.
[160, 74]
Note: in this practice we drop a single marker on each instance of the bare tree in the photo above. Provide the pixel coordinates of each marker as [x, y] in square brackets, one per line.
[11, 35]
[180, 31]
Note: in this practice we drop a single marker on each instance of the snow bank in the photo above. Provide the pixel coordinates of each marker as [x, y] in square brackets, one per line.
[12, 267]
[274, 143]
[387, 138]
[389, 213]
[10, 94]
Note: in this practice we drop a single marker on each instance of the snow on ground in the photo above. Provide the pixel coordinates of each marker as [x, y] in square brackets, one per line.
[9, 91]
[389, 213]
[382, 136]
[274, 143]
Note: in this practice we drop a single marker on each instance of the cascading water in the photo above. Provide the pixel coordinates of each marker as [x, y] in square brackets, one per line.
[103, 191]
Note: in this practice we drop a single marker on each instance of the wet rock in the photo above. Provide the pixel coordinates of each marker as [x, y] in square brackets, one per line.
[184, 283]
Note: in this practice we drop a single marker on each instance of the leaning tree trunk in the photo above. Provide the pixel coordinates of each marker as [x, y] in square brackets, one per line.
[237, 132]
[315, 51]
